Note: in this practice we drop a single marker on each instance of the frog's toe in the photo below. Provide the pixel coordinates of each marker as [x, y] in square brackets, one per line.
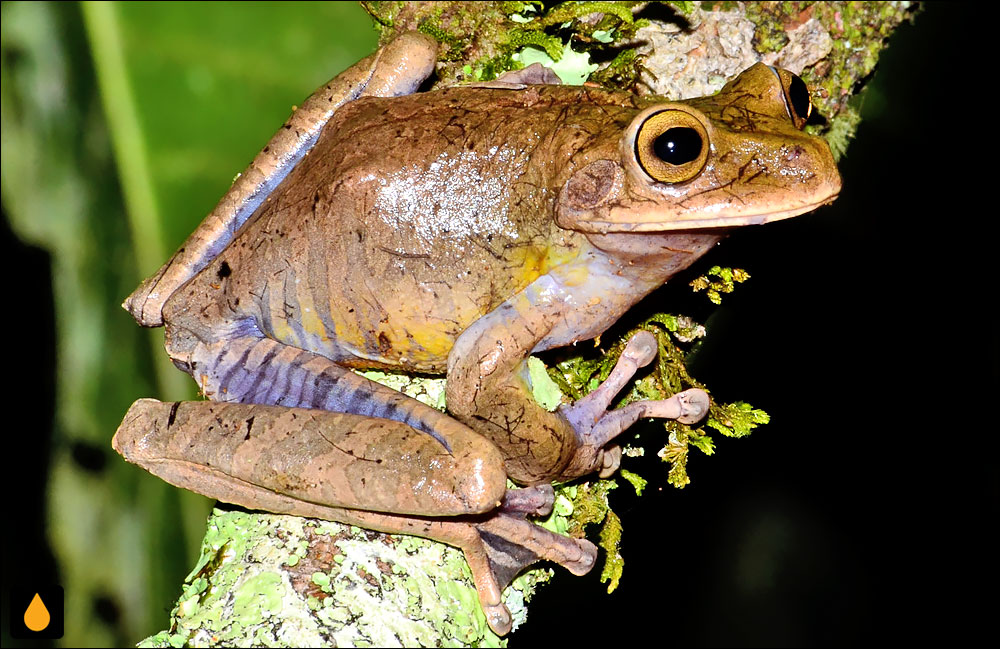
[512, 543]
[498, 617]
[536, 500]
[145, 304]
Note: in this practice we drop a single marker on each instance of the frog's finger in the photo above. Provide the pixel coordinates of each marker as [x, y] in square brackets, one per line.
[687, 407]
[638, 352]
[611, 459]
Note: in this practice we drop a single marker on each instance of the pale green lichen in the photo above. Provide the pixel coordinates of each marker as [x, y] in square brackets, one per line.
[381, 590]
[425, 389]
[545, 391]
[572, 67]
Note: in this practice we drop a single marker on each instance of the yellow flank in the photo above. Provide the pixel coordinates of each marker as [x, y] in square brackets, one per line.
[415, 332]
[529, 263]
[576, 275]
[427, 343]
[309, 319]
[279, 321]
[283, 332]
[346, 329]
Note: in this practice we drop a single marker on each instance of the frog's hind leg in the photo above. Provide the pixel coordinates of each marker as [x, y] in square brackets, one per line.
[488, 523]
[397, 69]
[339, 466]
[251, 369]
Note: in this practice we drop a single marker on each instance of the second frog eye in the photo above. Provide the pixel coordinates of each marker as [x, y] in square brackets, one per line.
[798, 103]
[672, 146]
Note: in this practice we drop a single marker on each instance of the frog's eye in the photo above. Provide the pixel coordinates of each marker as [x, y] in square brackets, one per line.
[672, 146]
[796, 95]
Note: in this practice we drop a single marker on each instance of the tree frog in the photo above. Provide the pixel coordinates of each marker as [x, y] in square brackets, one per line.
[450, 232]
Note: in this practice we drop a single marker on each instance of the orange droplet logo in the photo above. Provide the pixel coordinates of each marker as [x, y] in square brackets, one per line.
[36, 617]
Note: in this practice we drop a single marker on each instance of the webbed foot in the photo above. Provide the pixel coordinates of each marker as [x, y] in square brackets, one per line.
[504, 545]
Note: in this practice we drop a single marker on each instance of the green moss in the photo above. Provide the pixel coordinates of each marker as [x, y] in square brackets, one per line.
[622, 72]
[637, 481]
[614, 564]
[676, 454]
[725, 282]
[736, 419]
[590, 504]
[842, 129]
[383, 13]
[518, 39]
[769, 29]
[569, 12]
[683, 8]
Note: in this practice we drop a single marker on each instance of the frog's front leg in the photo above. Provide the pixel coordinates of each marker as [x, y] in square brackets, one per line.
[596, 426]
[489, 387]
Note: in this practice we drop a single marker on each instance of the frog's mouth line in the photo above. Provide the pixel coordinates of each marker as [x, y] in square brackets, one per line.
[731, 221]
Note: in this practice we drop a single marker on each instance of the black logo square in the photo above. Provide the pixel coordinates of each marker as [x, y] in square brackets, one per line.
[36, 612]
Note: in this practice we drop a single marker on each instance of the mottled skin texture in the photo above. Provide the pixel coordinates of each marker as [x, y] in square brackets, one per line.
[452, 232]
[405, 252]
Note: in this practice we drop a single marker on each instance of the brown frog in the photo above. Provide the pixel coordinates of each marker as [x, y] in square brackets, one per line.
[450, 232]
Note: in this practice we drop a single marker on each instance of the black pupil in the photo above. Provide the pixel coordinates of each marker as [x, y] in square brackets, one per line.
[798, 94]
[678, 145]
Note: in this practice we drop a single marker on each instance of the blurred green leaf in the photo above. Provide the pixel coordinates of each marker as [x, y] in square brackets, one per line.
[212, 82]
